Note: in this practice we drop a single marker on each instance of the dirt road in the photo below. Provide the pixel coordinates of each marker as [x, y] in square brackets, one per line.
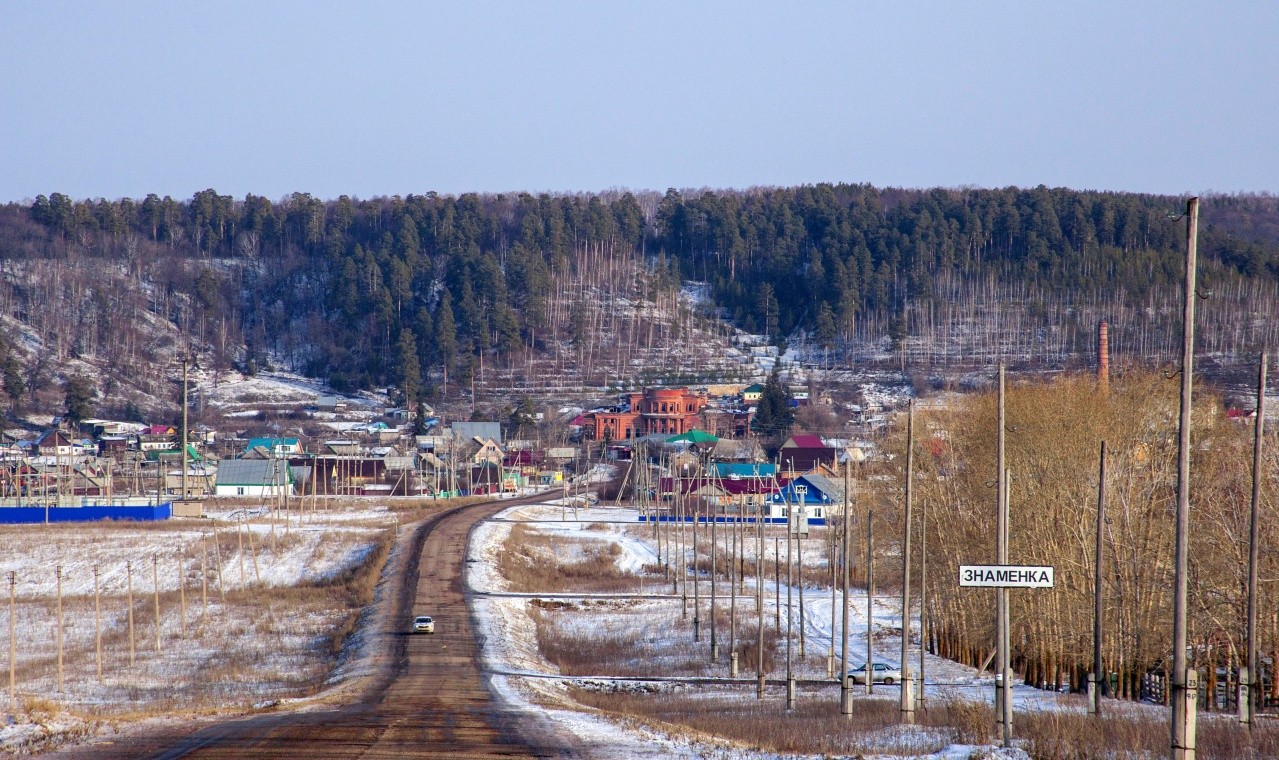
[429, 699]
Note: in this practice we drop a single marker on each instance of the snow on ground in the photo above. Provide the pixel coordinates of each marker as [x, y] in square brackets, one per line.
[243, 642]
[511, 649]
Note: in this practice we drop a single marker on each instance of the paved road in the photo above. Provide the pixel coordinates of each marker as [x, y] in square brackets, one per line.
[430, 701]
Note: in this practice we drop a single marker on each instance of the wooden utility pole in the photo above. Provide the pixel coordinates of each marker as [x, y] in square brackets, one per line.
[1250, 682]
[1183, 696]
[1097, 679]
[907, 699]
[777, 583]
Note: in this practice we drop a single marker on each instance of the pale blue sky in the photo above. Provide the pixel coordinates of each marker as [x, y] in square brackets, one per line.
[124, 98]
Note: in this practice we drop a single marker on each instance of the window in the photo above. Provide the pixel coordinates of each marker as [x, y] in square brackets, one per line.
[239, 490]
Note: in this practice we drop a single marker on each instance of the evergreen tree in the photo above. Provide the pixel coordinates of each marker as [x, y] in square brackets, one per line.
[445, 335]
[408, 372]
[79, 398]
[773, 414]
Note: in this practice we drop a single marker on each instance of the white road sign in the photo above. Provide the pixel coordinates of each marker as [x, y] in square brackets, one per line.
[1006, 576]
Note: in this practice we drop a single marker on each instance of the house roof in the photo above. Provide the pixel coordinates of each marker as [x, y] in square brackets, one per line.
[253, 472]
[826, 490]
[693, 436]
[271, 443]
[468, 430]
[755, 388]
[804, 441]
[741, 470]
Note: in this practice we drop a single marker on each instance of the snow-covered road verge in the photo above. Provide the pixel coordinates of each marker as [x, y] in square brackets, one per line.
[249, 615]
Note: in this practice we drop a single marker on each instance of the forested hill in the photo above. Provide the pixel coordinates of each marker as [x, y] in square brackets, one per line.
[399, 291]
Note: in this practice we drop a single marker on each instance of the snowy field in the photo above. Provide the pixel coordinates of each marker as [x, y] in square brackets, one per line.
[245, 616]
[649, 621]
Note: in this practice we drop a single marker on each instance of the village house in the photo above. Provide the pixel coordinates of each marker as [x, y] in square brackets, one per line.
[254, 477]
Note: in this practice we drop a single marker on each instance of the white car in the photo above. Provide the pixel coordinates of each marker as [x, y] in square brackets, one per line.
[882, 673]
[423, 624]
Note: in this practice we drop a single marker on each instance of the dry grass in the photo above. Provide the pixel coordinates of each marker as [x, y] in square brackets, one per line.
[1071, 736]
[533, 563]
[258, 644]
[648, 647]
[815, 727]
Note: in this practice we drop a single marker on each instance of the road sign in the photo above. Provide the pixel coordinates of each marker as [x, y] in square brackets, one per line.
[1006, 576]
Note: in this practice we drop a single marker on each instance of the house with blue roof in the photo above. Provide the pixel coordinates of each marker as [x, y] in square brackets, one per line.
[268, 448]
[743, 470]
[820, 495]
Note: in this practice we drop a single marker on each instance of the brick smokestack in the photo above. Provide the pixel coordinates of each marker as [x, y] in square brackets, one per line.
[1103, 355]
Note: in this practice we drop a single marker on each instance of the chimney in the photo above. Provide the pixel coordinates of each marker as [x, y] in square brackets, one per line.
[1103, 355]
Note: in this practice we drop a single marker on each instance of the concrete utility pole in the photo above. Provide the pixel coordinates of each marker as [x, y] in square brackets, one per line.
[1003, 678]
[907, 699]
[870, 598]
[845, 688]
[1097, 679]
[714, 601]
[923, 598]
[790, 671]
[1183, 697]
[185, 362]
[697, 594]
[1249, 682]
[97, 620]
[759, 603]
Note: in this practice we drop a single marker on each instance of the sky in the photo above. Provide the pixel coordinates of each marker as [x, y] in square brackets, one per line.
[390, 98]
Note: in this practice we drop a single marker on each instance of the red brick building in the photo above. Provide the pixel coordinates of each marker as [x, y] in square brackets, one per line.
[656, 411]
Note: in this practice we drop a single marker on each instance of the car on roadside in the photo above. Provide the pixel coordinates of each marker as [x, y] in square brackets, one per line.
[423, 624]
[881, 673]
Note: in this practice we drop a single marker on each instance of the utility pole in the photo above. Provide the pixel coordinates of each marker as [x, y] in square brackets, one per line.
[1249, 682]
[697, 594]
[1003, 679]
[185, 362]
[790, 670]
[1097, 680]
[870, 598]
[923, 597]
[1185, 684]
[845, 688]
[759, 602]
[714, 607]
[907, 699]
